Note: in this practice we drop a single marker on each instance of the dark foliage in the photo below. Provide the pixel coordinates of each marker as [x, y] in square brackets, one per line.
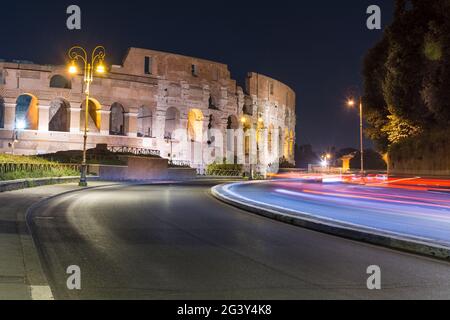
[407, 74]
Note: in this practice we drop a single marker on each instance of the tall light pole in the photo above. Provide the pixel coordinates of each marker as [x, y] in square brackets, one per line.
[169, 139]
[20, 125]
[95, 64]
[351, 103]
[244, 122]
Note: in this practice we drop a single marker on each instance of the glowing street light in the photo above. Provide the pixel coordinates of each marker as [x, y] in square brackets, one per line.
[73, 68]
[96, 63]
[101, 67]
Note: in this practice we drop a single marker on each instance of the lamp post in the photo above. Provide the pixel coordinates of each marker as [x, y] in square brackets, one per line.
[19, 126]
[244, 122]
[169, 139]
[262, 164]
[95, 64]
[351, 103]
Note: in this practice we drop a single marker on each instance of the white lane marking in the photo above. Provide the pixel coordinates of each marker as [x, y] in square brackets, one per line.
[41, 293]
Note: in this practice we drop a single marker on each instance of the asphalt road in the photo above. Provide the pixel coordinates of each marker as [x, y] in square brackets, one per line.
[407, 211]
[178, 242]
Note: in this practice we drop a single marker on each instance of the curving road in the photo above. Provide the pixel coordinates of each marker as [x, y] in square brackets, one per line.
[178, 242]
[412, 211]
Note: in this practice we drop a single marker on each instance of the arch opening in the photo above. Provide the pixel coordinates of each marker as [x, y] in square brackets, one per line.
[247, 137]
[94, 116]
[195, 125]
[214, 128]
[172, 122]
[233, 123]
[145, 122]
[280, 142]
[232, 140]
[26, 112]
[59, 81]
[117, 120]
[287, 117]
[270, 147]
[286, 143]
[2, 112]
[59, 115]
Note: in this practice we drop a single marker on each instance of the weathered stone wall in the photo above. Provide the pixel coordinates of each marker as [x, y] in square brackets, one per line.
[426, 155]
[164, 95]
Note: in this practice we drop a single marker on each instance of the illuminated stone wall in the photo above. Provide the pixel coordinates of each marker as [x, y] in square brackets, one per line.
[157, 92]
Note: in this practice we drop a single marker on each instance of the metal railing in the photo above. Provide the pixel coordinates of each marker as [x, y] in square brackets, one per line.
[30, 167]
[224, 173]
[179, 163]
[134, 150]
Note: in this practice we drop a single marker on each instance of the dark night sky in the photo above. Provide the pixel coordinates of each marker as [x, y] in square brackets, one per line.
[316, 47]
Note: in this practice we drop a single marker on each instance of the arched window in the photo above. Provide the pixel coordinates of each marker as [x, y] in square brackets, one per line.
[287, 117]
[59, 81]
[212, 103]
[232, 140]
[94, 119]
[59, 115]
[116, 120]
[286, 143]
[280, 142]
[233, 123]
[26, 112]
[145, 122]
[270, 140]
[171, 122]
[195, 125]
[2, 112]
[246, 127]
[248, 109]
[213, 126]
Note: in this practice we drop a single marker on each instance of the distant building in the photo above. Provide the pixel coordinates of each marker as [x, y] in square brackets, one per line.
[154, 99]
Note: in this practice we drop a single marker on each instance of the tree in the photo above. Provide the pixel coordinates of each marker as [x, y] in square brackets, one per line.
[407, 74]
[375, 110]
[398, 129]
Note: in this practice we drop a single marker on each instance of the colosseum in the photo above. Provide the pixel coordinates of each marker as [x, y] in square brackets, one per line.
[186, 109]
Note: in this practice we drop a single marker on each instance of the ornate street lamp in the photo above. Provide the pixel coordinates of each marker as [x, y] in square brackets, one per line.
[96, 64]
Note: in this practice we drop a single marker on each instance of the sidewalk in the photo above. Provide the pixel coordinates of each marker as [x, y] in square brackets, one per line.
[21, 275]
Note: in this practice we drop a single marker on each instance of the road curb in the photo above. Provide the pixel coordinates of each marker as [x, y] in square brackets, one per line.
[362, 234]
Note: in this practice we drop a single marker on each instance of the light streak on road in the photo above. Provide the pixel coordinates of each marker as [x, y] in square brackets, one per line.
[406, 210]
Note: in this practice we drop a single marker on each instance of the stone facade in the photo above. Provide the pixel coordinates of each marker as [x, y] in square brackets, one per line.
[187, 108]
